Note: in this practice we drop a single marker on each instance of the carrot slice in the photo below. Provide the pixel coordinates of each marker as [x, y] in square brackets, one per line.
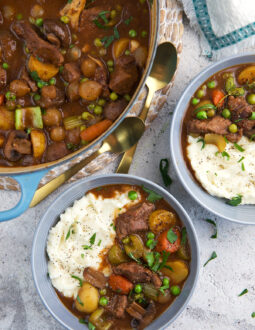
[92, 132]
[1, 99]
[218, 97]
[165, 245]
[120, 284]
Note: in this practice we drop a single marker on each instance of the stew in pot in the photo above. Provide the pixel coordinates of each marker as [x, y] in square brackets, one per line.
[67, 71]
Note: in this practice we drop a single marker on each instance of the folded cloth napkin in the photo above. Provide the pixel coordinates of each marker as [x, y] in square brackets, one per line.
[226, 27]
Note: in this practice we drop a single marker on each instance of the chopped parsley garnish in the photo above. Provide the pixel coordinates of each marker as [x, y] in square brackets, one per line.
[91, 241]
[164, 260]
[184, 236]
[153, 196]
[68, 233]
[252, 137]
[253, 314]
[78, 279]
[116, 33]
[213, 256]
[150, 258]
[215, 226]
[82, 255]
[203, 143]
[79, 301]
[81, 320]
[235, 200]
[243, 292]
[89, 324]
[242, 158]
[163, 167]
[225, 154]
[107, 40]
[128, 20]
[101, 17]
[134, 258]
[243, 168]
[163, 288]
[99, 243]
[238, 147]
[171, 236]
[226, 140]
[156, 265]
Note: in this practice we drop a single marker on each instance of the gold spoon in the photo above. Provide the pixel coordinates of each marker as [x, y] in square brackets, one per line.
[123, 138]
[162, 72]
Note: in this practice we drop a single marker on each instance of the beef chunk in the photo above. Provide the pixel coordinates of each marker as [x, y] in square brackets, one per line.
[124, 76]
[17, 145]
[117, 306]
[217, 125]
[3, 78]
[113, 109]
[101, 76]
[89, 15]
[8, 46]
[56, 151]
[36, 45]
[149, 316]
[52, 27]
[134, 220]
[250, 133]
[239, 107]
[51, 96]
[94, 277]
[71, 72]
[73, 136]
[25, 76]
[137, 273]
[246, 124]
[235, 137]
[136, 311]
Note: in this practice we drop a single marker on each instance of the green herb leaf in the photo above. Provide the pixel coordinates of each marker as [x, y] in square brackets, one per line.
[152, 197]
[204, 107]
[238, 147]
[243, 292]
[68, 233]
[226, 140]
[235, 200]
[92, 239]
[78, 279]
[86, 247]
[163, 167]
[150, 258]
[253, 314]
[134, 258]
[225, 154]
[116, 33]
[213, 256]
[152, 245]
[242, 158]
[79, 301]
[81, 320]
[164, 259]
[252, 137]
[163, 288]
[184, 236]
[171, 236]
[243, 168]
[168, 267]
[99, 243]
[215, 225]
[156, 265]
[203, 143]
[107, 40]
[128, 20]
[91, 326]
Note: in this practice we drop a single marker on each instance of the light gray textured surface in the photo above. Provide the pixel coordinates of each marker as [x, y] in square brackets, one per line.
[215, 304]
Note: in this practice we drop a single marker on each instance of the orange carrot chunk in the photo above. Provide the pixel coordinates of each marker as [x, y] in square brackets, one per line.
[1, 99]
[218, 97]
[172, 245]
[120, 284]
[94, 131]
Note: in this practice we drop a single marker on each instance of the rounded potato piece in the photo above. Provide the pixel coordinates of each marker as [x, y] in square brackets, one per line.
[217, 140]
[179, 273]
[120, 46]
[87, 299]
[161, 220]
[45, 71]
[39, 143]
[247, 75]
[90, 90]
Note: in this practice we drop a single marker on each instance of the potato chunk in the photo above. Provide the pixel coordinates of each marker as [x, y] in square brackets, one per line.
[161, 220]
[87, 299]
[45, 71]
[6, 119]
[247, 75]
[178, 273]
[38, 142]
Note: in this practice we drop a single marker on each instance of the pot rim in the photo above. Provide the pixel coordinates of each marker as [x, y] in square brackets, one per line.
[61, 161]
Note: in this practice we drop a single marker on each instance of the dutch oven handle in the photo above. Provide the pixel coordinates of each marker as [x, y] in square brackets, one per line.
[28, 184]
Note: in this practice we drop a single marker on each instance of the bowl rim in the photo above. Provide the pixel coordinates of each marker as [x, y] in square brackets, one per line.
[176, 153]
[153, 46]
[117, 179]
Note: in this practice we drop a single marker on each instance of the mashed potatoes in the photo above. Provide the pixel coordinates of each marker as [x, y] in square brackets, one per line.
[225, 176]
[81, 238]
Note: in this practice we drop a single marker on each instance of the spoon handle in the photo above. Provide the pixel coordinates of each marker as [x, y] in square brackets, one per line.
[128, 156]
[51, 186]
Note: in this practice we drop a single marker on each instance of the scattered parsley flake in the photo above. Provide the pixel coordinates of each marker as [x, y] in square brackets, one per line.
[203, 143]
[238, 147]
[253, 314]
[171, 236]
[99, 243]
[184, 236]
[134, 258]
[235, 200]
[242, 158]
[243, 292]
[163, 167]
[153, 196]
[150, 258]
[78, 279]
[213, 256]
[243, 168]
[215, 226]
[225, 154]
[79, 301]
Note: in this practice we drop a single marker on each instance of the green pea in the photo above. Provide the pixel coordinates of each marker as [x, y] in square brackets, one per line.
[86, 115]
[101, 102]
[52, 81]
[126, 240]
[110, 69]
[211, 84]
[102, 292]
[113, 13]
[84, 79]
[110, 63]
[98, 110]
[37, 97]
[226, 113]
[251, 98]
[127, 52]
[200, 93]
[103, 301]
[61, 68]
[82, 128]
[195, 101]
[5, 66]
[175, 290]
[138, 288]
[150, 236]
[166, 281]
[132, 194]
[113, 96]
[19, 16]
[39, 21]
[149, 242]
[10, 96]
[201, 115]
[233, 128]
[144, 34]
[211, 113]
[127, 97]
[98, 42]
[132, 33]
[252, 117]
[65, 19]
[91, 106]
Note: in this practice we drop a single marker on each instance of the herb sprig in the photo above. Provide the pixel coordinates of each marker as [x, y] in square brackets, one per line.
[213, 256]
[163, 167]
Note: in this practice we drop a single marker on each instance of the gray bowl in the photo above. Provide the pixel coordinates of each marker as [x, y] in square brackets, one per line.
[244, 214]
[39, 257]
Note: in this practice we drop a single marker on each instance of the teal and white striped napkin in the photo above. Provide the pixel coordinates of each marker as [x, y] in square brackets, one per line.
[226, 27]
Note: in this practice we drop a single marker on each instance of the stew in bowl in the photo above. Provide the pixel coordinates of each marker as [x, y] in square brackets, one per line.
[68, 70]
